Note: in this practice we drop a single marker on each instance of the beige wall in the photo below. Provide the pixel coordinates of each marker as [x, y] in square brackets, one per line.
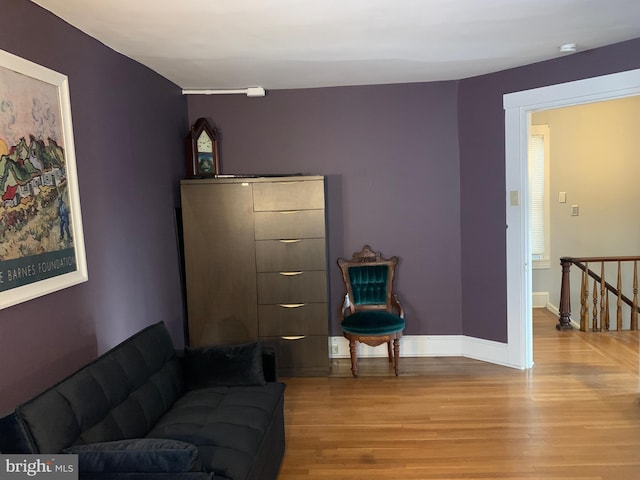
[595, 159]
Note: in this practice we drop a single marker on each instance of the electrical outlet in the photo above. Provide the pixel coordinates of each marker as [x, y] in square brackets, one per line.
[334, 349]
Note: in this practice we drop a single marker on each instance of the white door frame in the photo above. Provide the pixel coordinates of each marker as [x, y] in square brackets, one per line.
[518, 107]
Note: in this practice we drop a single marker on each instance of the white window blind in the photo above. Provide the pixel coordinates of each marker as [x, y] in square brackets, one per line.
[536, 182]
[539, 191]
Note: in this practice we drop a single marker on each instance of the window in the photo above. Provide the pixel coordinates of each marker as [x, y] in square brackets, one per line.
[539, 195]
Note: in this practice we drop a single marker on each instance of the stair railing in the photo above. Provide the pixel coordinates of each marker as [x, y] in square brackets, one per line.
[600, 319]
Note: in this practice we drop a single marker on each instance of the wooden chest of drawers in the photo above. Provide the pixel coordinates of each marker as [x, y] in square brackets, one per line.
[265, 273]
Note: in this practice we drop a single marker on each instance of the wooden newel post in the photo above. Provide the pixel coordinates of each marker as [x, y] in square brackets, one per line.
[564, 322]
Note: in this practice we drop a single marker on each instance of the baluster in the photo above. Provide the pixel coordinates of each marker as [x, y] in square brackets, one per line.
[619, 302]
[564, 321]
[634, 308]
[604, 323]
[584, 298]
[594, 320]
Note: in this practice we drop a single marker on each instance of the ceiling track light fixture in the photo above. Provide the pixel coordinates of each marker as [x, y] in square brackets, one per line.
[568, 48]
[249, 92]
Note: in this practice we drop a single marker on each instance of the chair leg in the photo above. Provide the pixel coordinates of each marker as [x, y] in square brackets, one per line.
[353, 349]
[389, 354]
[396, 354]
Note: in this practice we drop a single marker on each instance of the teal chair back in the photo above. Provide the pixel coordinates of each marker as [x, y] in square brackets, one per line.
[369, 284]
[368, 280]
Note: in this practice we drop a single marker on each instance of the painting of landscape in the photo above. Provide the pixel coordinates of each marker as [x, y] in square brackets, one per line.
[37, 239]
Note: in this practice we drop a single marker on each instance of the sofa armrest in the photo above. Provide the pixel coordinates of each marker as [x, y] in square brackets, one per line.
[14, 438]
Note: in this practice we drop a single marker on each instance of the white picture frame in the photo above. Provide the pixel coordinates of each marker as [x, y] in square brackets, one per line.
[41, 238]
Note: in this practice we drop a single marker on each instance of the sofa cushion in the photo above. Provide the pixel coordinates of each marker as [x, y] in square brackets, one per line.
[227, 424]
[223, 365]
[151, 455]
[119, 395]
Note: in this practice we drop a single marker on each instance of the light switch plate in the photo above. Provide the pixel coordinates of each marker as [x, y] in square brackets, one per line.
[575, 210]
[562, 197]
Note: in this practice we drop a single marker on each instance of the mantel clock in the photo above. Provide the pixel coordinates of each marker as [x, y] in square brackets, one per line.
[202, 150]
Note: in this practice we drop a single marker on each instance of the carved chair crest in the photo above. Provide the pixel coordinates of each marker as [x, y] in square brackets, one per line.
[366, 255]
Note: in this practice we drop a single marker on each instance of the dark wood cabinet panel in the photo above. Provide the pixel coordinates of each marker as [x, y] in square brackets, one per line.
[289, 195]
[292, 287]
[306, 355]
[288, 255]
[218, 232]
[292, 224]
[293, 319]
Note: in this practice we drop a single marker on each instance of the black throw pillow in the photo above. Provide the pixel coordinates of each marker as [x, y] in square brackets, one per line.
[138, 455]
[224, 365]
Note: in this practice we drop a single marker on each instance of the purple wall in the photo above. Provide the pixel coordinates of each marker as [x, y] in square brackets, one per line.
[129, 125]
[482, 174]
[390, 153]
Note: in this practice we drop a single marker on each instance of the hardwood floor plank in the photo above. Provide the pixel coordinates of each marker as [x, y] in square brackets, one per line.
[574, 416]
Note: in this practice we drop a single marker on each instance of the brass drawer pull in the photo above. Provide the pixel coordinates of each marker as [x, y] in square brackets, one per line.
[291, 274]
[294, 337]
[296, 240]
[288, 212]
[291, 305]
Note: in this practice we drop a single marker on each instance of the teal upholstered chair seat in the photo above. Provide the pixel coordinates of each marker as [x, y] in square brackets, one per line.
[371, 312]
[373, 323]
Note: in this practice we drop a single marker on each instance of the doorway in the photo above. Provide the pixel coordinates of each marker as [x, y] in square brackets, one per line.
[518, 107]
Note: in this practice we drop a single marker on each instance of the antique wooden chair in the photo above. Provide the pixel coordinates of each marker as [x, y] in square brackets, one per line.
[371, 313]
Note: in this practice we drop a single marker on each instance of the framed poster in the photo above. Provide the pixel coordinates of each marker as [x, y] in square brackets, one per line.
[41, 238]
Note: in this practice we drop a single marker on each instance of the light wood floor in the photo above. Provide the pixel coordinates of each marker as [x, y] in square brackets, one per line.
[574, 416]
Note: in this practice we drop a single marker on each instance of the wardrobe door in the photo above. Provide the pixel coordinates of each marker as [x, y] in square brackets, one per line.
[219, 262]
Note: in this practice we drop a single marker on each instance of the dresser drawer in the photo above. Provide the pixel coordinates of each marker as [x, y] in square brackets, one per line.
[293, 319]
[288, 195]
[286, 255]
[300, 356]
[289, 225]
[293, 287]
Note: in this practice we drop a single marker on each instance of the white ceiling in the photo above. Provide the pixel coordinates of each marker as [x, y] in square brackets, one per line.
[214, 44]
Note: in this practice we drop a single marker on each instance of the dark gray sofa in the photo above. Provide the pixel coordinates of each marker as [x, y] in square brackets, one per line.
[143, 410]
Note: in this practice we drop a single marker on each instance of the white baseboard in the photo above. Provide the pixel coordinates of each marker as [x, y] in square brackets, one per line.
[443, 345]
[540, 299]
[430, 346]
